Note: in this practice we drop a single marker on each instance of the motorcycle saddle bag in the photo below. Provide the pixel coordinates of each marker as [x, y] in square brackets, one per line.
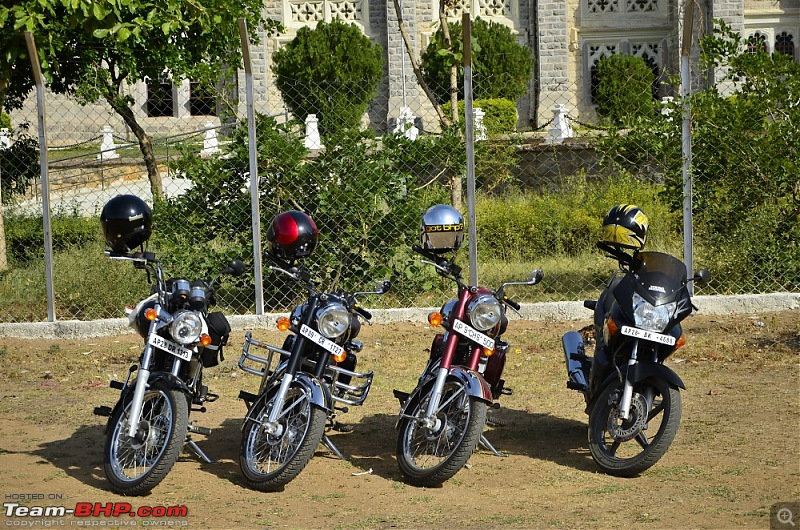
[219, 329]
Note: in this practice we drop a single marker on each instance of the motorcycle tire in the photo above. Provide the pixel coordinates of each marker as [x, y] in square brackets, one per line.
[270, 462]
[134, 466]
[429, 457]
[621, 447]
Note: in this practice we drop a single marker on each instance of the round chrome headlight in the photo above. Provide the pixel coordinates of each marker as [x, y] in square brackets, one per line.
[484, 312]
[187, 327]
[333, 320]
[650, 317]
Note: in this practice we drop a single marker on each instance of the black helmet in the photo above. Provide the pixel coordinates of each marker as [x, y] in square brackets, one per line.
[127, 222]
[625, 226]
[292, 235]
[441, 229]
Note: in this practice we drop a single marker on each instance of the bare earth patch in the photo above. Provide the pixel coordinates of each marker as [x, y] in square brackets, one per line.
[736, 453]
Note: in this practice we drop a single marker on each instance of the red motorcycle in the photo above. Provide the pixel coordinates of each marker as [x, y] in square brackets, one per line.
[441, 421]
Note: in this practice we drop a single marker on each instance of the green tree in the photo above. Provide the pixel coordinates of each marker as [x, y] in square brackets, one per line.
[93, 50]
[501, 66]
[332, 71]
[624, 89]
[745, 162]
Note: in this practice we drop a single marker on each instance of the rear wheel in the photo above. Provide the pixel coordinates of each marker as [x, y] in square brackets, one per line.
[428, 457]
[625, 448]
[270, 461]
[134, 466]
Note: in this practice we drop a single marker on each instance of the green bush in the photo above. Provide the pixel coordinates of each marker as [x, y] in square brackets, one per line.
[5, 121]
[624, 89]
[25, 234]
[500, 117]
[501, 67]
[332, 71]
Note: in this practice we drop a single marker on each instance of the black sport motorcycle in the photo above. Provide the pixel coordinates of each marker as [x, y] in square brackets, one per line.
[149, 424]
[632, 399]
[303, 384]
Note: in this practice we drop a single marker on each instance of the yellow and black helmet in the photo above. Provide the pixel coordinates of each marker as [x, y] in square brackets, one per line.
[625, 225]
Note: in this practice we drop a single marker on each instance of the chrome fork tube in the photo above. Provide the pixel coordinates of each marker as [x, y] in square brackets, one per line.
[627, 393]
[271, 425]
[142, 384]
[430, 419]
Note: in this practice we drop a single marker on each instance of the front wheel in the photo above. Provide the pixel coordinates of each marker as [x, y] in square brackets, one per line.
[430, 456]
[623, 447]
[134, 466]
[270, 461]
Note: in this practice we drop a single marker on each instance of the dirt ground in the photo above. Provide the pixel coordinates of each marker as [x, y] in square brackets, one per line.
[736, 455]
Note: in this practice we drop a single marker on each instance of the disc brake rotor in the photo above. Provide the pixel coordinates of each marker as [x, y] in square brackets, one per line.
[624, 430]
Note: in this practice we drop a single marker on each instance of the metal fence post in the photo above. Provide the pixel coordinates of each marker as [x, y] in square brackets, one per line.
[469, 129]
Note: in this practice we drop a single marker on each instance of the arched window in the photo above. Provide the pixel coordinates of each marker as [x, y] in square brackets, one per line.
[756, 42]
[784, 43]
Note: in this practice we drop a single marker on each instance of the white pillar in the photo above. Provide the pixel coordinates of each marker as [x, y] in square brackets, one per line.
[405, 124]
[312, 141]
[480, 128]
[107, 147]
[210, 142]
[561, 128]
[5, 138]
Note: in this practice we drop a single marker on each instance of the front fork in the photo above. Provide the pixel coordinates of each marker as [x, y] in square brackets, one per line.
[627, 392]
[431, 421]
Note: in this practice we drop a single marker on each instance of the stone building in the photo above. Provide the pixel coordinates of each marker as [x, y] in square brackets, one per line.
[567, 40]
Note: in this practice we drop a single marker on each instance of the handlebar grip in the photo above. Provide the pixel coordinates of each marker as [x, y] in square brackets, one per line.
[363, 312]
[512, 303]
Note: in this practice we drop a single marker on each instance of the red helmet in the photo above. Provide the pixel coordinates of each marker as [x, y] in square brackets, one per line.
[292, 235]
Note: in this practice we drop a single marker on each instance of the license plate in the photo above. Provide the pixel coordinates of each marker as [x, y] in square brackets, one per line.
[170, 347]
[318, 339]
[473, 334]
[669, 340]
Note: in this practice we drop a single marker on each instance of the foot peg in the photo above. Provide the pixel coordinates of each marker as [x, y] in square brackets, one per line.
[102, 411]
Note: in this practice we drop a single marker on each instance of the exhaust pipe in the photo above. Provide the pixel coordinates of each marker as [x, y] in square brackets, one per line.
[576, 359]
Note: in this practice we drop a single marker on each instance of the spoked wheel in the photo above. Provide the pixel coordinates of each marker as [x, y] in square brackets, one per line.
[625, 448]
[270, 461]
[429, 456]
[136, 465]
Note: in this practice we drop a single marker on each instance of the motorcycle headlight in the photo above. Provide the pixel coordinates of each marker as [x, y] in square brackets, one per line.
[484, 312]
[333, 320]
[650, 317]
[187, 327]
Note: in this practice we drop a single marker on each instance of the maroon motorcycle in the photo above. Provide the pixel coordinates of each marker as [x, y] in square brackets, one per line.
[441, 421]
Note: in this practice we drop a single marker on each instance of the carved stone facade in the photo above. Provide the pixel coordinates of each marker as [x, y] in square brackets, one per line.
[567, 39]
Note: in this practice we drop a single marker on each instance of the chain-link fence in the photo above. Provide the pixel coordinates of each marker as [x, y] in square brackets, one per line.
[545, 177]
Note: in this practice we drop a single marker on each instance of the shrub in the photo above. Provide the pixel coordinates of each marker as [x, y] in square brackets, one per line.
[25, 234]
[500, 117]
[332, 71]
[501, 67]
[624, 89]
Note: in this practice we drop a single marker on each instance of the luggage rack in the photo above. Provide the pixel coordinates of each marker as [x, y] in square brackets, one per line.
[341, 392]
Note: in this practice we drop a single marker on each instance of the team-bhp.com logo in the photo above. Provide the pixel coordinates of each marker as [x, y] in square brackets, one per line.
[93, 510]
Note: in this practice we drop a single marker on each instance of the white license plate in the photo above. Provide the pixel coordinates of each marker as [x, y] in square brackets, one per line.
[170, 347]
[669, 340]
[473, 334]
[318, 339]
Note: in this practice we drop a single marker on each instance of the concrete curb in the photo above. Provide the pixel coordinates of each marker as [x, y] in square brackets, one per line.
[547, 311]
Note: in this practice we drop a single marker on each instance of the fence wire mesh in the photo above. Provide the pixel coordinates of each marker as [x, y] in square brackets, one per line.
[547, 170]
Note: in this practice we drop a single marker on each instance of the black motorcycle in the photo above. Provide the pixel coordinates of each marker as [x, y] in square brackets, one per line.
[633, 400]
[149, 424]
[304, 384]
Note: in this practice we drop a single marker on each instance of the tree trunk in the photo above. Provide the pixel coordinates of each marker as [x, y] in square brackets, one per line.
[417, 70]
[3, 247]
[145, 145]
[455, 181]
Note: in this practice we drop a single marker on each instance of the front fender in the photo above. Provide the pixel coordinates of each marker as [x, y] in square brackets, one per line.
[319, 394]
[170, 381]
[475, 384]
[641, 371]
